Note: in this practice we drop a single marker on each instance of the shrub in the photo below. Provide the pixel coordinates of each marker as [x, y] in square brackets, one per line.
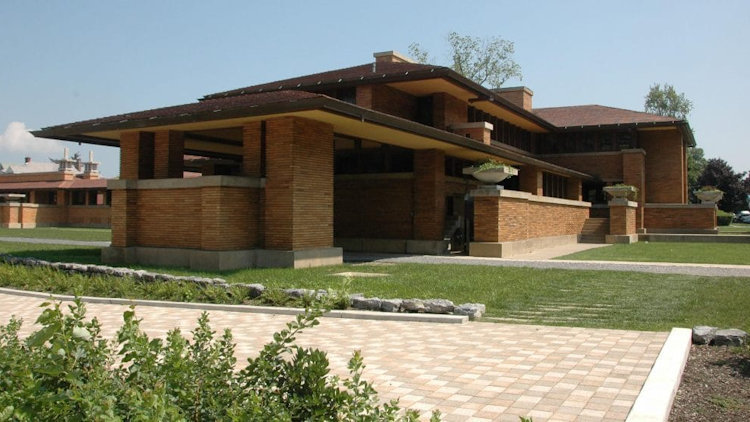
[67, 371]
[724, 218]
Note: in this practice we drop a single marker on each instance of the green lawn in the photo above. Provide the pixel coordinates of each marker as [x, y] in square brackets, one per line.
[67, 233]
[701, 253]
[606, 299]
[735, 228]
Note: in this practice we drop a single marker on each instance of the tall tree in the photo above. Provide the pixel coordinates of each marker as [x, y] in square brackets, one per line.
[719, 173]
[665, 101]
[486, 61]
[696, 163]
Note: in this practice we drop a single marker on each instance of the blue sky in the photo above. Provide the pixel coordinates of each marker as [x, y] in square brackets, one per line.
[66, 61]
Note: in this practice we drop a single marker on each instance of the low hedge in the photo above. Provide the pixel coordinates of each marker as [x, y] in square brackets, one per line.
[724, 218]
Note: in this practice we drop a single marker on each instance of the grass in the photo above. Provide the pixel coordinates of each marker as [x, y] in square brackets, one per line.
[700, 253]
[67, 233]
[735, 228]
[604, 299]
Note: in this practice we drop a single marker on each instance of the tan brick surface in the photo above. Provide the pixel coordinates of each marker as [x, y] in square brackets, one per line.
[474, 371]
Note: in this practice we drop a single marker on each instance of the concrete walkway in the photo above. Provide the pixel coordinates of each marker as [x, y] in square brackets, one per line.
[473, 371]
[54, 241]
[542, 259]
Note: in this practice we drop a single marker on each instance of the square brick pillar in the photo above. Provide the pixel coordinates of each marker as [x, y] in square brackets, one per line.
[429, 194]
[169, 150]
[124, 217]
[530, 179]
[136, 155]
[252, 149]
[299, 184]
[574, 188]
[622, 221]
[634, 173]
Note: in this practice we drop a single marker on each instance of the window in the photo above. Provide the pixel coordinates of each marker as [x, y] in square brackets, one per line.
[78, 197]
[554, 185]
[358, 156]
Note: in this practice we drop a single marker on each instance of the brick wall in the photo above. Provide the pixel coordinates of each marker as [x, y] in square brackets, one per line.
[299, 184]
[680, 217]
[230, 218]
[665, 166]
[96, 216]
[622, 220]
[448, 110]
[169, 149]
[520, 217]
[374, 207]
[606, 166]
[634, 173]
[251, 149]
[36, 177]
[429, 194]
[136, 155]
[530, 180]
[392, 101]
[168, 218]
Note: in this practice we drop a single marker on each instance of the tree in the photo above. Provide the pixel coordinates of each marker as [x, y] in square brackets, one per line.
[486, 61]
[667, 102]
[719, 173]
[696, 164]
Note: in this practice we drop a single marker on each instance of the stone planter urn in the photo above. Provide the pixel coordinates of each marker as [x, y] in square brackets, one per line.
[622, 191]
[709, 196]
[494, 175]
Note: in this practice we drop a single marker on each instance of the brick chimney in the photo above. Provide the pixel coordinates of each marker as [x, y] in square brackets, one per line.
[518, 95]
[391, 57]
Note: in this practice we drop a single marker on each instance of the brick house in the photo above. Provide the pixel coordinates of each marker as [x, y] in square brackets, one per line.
[63, 192]
[372, 158]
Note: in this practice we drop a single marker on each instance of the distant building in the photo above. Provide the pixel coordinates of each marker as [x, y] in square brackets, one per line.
[63, 192]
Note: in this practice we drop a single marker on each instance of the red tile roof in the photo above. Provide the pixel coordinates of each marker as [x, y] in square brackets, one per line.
[596, 115]
[339, 76]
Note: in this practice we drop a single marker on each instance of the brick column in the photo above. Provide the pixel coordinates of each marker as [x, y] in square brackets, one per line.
[429, 194]
[530, 180]
[252, 149]
[574, 188]
[622, 221]
[136, 155]
[479, 131]
[124, 217]
[299, 184]
[169, 150]
[487, 218]
[634, 173]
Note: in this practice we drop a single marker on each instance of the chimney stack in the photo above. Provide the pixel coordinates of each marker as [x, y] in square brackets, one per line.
[518, 95]
[391, 57]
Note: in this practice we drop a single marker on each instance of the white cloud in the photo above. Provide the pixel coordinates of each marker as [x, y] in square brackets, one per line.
[17, 139]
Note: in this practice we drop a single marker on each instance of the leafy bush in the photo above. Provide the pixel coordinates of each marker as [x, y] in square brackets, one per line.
[724, 218]
[67, 371]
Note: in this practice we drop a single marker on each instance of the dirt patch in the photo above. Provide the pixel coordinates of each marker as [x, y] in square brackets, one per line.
[715, 386]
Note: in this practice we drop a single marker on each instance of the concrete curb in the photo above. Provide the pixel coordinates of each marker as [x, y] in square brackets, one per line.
[654, 402]
[376, 316]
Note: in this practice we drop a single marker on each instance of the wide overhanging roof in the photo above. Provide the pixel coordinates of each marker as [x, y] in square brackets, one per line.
[211, 116]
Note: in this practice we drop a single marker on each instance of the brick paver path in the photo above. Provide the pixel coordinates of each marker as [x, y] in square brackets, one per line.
[475, 371]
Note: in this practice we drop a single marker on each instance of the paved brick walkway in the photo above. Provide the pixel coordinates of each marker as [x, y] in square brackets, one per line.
[474, 371]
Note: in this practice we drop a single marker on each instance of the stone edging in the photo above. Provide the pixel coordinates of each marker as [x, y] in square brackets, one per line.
[356, 301]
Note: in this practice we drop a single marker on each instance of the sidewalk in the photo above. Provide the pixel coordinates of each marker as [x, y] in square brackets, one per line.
[473, 371]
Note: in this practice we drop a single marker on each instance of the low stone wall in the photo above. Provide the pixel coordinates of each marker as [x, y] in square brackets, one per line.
[356, 301]
[680, 217]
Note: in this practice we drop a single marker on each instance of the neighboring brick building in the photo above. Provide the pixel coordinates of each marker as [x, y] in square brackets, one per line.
[64, 192]
[371, 158]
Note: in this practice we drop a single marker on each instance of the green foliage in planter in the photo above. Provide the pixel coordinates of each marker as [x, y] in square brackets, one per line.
[67, 371]
[724, 218]
[709, 189]
[491, 164]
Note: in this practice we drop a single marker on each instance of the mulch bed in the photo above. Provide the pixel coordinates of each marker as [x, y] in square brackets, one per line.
[715, 385]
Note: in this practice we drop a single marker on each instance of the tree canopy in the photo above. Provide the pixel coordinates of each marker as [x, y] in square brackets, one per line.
[486, 61]
[719, 173]
[665, 101]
